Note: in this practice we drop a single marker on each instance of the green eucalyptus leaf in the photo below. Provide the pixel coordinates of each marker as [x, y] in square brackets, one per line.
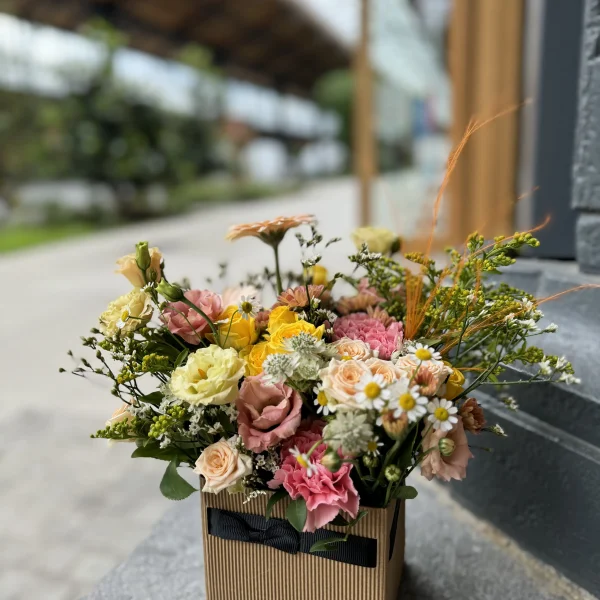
[173, 486]
[326, 545]
[296, 513]
[406, 492]
[181, 357]
[279, 495]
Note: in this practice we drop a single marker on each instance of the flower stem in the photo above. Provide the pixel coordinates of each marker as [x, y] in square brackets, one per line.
[277, 270]
[212, 326]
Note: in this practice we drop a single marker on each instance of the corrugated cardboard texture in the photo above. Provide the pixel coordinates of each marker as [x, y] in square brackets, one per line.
[247, 571]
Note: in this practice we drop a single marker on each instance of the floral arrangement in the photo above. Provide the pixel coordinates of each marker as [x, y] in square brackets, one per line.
[331, 398]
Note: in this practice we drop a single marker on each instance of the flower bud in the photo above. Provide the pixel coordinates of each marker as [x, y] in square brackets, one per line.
[393, 473]
[142, 255]
[331, 461]
[397, 429]
[371, 462]
[446, 446]
[169, 291]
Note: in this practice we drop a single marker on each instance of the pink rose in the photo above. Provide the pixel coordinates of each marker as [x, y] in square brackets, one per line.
[446, 467]
[325, 493]
[267, 414]
[188, 323]
[360, 326]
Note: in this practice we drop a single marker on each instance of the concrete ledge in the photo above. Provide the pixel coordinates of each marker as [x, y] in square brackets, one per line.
[449, 555]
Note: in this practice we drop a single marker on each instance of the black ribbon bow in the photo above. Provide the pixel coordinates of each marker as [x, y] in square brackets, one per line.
[279, 534]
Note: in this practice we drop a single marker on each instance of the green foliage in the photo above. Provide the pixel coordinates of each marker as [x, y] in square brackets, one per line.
[296, 513]
[277, 496]
[173, 486]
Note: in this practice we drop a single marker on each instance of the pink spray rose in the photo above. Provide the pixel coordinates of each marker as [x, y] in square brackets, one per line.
[325, 493]
[360, 326]
[446, 467]
[186, 322]
[267, 414]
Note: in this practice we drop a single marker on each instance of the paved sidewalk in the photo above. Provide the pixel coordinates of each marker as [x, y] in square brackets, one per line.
[73, 508]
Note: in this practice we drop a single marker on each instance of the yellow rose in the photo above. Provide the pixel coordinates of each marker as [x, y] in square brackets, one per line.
[255, 356]
[454, 383]
[281, 315]
[318, 275]
[235, 331]
[290, 330]
[210, 376]
[222, 467]
[128, 267]
[377, 239]
[126, 313]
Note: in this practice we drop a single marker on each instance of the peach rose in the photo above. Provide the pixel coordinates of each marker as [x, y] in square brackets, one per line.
[430, 377]
[128, 267]
[356, 349]
[340, 378]
[385, 368]
[446, 467]
[222, 467]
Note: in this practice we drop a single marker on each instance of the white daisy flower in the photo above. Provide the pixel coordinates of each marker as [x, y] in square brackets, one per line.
[124, 317]
[372, 391]
[424, 353]
[373, 446]
[304, 461]
[442, 414]
[322, 400]
[407, 399]
[248, 307]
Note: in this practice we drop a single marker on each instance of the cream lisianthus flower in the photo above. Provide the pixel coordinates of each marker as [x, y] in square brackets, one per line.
[126, 313]
[210, 376]
[128, 266]
[222, 467]
[377, 239]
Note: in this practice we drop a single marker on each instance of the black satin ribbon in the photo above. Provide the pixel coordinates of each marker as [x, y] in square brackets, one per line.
[279, 534]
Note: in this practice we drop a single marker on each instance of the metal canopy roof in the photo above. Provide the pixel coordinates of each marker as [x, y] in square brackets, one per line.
[270, 42]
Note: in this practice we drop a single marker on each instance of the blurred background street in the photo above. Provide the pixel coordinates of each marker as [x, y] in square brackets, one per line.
[170, 121]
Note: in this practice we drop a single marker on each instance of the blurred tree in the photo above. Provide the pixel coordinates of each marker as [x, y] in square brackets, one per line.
[335, 91]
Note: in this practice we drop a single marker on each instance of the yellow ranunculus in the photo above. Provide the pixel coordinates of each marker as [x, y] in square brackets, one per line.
[281, 315]
[126, 313]
[377, 239]
[210, 376]
[283, 332]
[454, 384]
[255, 356]
[318, 274]
[235, 331]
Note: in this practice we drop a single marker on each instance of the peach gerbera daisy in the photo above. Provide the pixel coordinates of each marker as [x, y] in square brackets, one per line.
[270, 231]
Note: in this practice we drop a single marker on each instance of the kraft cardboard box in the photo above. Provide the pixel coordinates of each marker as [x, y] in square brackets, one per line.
[273, 562]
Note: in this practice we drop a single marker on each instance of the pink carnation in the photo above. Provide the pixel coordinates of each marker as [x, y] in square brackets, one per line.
[360, 326]
[188, 323]
[325, 493]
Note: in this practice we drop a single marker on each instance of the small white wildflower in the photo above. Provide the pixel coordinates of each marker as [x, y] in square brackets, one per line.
[165, 442]
[254, 494]
[248, 307]
[350, 431]
[551, 328]
[569, 379]
[497, 430]
[442, 414]
[407, 399]
[561, 363]
[423, 353]
[529, 324]
[509, 317]
[372, 391]
[545, 368]
[322, 400]
[527, 305]
[304, 461]
[279, 367]
[510, 403]
[304, 344]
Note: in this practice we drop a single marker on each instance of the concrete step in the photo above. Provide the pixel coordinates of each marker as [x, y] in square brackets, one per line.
[450, 555]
